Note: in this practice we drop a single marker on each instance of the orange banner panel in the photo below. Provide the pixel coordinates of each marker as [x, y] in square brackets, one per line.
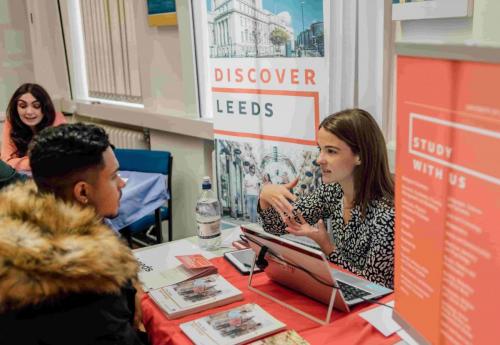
[448, 199]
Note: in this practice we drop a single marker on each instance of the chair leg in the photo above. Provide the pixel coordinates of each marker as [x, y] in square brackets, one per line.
[170, 222]
[170, 229]
[128, 236]
[159, 235]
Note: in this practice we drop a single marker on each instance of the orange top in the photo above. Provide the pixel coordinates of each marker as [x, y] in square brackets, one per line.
[9, 148]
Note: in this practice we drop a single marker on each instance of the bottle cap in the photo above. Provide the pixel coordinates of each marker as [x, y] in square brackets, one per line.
[206, 184]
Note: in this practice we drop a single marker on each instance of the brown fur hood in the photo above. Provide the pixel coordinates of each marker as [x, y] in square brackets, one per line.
[49, 249]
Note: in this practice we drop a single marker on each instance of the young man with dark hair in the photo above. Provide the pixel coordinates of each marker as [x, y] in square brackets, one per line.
[76, 163]
[65, 277]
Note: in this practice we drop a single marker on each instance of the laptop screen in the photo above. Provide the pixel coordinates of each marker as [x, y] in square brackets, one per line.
[295, 266]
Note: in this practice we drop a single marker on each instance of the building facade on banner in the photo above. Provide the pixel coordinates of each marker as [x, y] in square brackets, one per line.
[311, 41]
[243, 28]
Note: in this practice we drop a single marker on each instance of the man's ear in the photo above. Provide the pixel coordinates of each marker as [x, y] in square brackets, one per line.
[81, 191]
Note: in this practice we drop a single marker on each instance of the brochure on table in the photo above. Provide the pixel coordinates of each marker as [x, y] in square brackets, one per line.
[191, 267]
[195, 295]
[231, 327]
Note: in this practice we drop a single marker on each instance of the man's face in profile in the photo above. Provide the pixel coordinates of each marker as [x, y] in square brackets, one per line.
[106, 191]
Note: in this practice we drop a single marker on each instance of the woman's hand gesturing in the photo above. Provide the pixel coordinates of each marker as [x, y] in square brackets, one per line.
[318, 233]
[278, 196]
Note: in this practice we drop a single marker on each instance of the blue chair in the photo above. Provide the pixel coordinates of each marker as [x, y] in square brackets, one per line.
[148, 161]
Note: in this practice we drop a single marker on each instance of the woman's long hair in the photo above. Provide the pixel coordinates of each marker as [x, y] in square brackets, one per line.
[22, 134]
[372, 178]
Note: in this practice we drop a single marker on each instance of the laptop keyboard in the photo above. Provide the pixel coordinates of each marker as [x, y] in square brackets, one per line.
[350, 292]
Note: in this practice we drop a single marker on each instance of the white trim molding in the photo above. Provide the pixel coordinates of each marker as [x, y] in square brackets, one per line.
[173, 123]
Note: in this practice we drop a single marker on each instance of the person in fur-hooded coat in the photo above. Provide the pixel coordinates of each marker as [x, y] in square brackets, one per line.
[65, 277]
[63, 274]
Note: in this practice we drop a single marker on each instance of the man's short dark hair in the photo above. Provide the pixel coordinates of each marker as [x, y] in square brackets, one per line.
[60, 156]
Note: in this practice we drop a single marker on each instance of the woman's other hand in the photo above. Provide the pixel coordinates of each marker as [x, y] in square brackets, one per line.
[278, 196]
[318, 233]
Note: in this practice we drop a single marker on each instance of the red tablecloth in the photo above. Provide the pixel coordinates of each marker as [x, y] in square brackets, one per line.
[344, 328]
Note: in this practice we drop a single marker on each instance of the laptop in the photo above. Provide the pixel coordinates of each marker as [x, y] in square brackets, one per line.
[304, 240]
[308, 271]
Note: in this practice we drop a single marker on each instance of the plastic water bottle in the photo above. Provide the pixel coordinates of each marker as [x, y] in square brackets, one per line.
[208, 217]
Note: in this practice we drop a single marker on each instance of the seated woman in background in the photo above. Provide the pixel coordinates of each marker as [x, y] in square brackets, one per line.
[356, 196]
[29, 111]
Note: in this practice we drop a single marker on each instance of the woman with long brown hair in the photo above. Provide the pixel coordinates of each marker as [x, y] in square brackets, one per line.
[356, 198]
[30, 110]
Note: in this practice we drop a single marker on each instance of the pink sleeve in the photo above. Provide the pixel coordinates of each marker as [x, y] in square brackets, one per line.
[9, 148]
[59, 119]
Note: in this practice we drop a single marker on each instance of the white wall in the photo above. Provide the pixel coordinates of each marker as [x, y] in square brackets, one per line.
[47, 45]
[192, 160]
[16, 64]
[482, 29]
[375, 48]
[167, 63]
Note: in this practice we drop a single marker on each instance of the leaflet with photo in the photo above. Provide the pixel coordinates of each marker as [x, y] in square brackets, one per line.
[194, 261]
[231, 327]
[191, 267]
[195, 295]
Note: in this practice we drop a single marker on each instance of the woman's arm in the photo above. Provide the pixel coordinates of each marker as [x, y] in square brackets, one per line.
[317, 233]
[312, 207]
[9, 149]
[378, 263]
[59, 119]
[278, 196]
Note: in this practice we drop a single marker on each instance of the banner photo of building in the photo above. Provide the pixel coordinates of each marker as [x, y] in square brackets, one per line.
[269, 85]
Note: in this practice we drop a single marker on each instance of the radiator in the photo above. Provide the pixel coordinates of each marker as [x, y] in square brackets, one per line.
[124, 138]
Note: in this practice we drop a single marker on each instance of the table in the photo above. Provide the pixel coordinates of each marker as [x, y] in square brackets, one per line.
[345, 328]
[162, 256]
[142, 194]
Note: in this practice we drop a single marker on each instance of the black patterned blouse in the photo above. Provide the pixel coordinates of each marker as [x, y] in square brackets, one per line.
[364, 246]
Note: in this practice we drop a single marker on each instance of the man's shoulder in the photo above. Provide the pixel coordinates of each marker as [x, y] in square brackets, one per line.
[6, 172]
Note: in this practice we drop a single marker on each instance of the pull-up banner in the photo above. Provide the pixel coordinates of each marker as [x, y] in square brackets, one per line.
[269, 83]
[447, 274]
